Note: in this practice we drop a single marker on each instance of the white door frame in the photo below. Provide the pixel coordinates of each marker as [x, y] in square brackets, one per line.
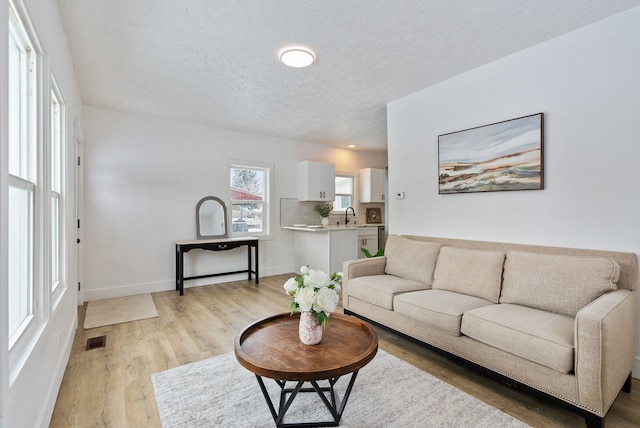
[79, 210]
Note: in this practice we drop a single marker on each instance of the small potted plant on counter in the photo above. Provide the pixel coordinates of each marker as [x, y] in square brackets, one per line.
[324, 210]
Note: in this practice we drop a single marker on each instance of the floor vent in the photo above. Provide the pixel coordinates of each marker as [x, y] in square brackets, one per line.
[96, 342]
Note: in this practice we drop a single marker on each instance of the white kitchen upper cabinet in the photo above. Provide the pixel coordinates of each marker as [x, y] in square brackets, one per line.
[316, 181]
[372, 185]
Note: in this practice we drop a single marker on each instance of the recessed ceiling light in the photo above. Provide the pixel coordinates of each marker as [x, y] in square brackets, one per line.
[352, 146]
[297, 57]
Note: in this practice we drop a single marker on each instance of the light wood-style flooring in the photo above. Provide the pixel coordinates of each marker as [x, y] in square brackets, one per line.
[111, 386]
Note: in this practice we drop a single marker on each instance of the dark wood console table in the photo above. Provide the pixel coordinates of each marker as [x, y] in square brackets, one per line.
[223, 244]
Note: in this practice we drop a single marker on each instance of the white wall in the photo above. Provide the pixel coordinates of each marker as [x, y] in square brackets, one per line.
[28, 400]
[143, 179]
[588, 86]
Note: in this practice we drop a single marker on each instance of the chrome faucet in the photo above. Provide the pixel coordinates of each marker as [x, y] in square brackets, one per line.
[346, 213]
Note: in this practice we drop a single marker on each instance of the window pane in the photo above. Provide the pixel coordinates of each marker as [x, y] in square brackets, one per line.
[20, 256]
[17, 107]
[23, 133]
[55, 147]
[344, 185]
[341, 203]
[56, 137]
[247, 184]
[344, 193]
[249, 199]
[55, 241]
[246, 217]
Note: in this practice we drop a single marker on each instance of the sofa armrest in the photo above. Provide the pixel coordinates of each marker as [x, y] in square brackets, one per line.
[363, 267]
[360, 267]
[605, 345]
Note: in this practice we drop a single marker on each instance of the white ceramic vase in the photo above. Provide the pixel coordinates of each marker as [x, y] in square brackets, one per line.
[325, 221]
[309, 330]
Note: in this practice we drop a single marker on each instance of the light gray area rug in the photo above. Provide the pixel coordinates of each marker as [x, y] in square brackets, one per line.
[118, 310]
[388, 392]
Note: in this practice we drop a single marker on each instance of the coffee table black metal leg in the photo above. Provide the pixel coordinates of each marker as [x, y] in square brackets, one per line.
[347, 392]
[335, 411]
[274, 414]
[332, 408]
[285, 403]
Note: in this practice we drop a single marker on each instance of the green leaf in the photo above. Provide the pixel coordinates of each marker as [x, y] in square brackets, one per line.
[365, 252]
[294, 306]
[323, 319]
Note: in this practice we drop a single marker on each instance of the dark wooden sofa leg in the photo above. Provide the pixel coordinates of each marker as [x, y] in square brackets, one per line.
[593, 421]
[627, 384]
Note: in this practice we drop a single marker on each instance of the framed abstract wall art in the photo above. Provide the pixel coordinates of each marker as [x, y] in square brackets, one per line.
[506, 155]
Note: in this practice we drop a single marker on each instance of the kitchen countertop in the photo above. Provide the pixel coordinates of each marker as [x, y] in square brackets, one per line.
[321, 229]
[330, 228]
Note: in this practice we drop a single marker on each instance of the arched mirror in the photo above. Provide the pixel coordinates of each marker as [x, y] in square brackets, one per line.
[211, 218]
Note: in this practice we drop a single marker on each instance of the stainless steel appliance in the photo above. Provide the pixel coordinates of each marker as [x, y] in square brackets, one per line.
[382, 237]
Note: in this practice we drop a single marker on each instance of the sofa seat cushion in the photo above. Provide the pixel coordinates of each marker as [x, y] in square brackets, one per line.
[411, 259]
[438, 308]
[380, 290]
[556, 283]
[542, 337]
[472, 272]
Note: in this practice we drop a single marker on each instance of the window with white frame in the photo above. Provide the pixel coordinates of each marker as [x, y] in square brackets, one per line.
[249, 195]
[56, 150]
[23, 148]
[344, 192]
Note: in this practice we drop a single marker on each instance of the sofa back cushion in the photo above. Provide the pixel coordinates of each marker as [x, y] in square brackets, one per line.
[556, 283]
[471, 272]
[411, 259]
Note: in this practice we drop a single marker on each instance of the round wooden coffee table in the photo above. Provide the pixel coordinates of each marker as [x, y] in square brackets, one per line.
[271, 348]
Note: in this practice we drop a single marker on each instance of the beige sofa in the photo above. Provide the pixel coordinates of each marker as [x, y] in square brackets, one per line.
[553, 320]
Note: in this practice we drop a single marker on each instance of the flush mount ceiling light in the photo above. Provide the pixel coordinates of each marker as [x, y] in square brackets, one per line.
[297, 57]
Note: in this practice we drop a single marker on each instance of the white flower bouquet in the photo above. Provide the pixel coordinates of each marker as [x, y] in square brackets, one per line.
[314, 291]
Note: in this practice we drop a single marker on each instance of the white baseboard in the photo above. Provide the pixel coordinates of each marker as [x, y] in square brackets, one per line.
[127, 290]
[154, 287]
[54, 387]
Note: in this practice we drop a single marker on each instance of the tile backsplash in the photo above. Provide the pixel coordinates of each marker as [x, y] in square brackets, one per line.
[293, 212]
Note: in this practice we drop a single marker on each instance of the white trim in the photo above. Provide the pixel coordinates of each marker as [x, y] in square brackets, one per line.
[46, 411]
[170, 285]
[56, 290]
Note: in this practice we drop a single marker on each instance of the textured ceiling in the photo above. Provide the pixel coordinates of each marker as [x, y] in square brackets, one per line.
[215, 62]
